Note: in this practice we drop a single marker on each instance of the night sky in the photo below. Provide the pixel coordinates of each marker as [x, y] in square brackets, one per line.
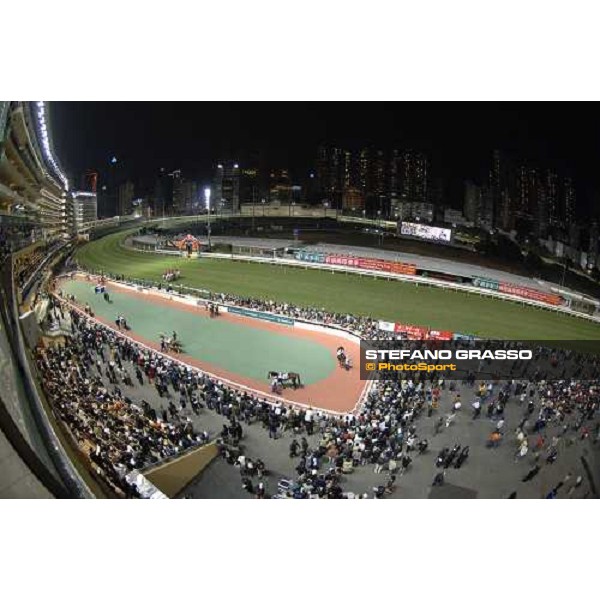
[458, 137]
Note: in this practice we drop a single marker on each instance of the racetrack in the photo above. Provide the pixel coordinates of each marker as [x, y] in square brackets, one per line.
[233, 347]
[389, 300]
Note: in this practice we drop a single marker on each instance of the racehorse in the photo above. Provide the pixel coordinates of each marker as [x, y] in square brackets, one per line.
[286, 378]
[343, 359]
[176, 346]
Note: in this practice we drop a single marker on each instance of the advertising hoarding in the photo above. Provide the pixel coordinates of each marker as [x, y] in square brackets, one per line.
[426, 232]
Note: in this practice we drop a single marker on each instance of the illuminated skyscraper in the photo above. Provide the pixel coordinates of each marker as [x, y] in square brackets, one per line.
[85, 208]
[384, 179]
[353, 200]
[177, 204]
[125, 198]
[333, 171]
[568, 201]
[190, 197]
[413, 176]
[161, 197]
[226, 185]
[552, 197]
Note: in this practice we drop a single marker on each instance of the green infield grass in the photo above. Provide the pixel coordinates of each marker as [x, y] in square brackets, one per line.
[362, 295]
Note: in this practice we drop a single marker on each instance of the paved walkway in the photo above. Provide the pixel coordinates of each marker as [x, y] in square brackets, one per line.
[16, 480]
[487, 473]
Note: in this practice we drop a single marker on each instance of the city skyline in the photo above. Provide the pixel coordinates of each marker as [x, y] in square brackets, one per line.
[458, 139]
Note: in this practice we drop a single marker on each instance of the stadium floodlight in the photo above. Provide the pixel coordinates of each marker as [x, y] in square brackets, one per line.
[207, 198]
[45, 143]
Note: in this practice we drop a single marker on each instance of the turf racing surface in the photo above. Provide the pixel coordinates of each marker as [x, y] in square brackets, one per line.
[437, 308]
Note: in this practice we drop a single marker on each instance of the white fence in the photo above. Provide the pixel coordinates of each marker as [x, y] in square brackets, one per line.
[416, 279]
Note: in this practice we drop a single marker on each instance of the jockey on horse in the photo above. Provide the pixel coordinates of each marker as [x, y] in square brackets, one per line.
[280, 379]
[343, 359]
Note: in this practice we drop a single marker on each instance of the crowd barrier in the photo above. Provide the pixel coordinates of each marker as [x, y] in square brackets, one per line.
[264, 316]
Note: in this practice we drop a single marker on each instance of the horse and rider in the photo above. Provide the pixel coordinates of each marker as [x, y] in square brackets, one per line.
[343, 359]
[121, 323]
[170, 343]
[280, 379]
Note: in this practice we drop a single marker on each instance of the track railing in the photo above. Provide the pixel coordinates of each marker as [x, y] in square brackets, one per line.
[415, 279]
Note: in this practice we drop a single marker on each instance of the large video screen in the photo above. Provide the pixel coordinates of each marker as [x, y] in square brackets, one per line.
[426, 232]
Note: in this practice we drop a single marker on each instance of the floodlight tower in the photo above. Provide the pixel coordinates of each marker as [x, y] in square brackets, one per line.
[207, 198]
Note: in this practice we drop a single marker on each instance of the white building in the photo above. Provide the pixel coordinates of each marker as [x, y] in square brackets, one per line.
[85, 209]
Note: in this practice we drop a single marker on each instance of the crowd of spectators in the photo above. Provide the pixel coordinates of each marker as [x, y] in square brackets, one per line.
[24, 265]
[382, 434]
[14, 236]
[362, 326]
[5, 244]
[117, 434]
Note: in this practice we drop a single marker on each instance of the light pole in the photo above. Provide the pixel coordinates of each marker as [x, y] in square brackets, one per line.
[264, 201]
[562, 284]
[325, 206]
[207, 198]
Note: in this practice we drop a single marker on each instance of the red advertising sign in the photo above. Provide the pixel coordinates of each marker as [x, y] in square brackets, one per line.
[404, 268]
[387, 266]
[371, 264]
[413, 332]
[523, 292]
[440, 335]
[343, 260]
